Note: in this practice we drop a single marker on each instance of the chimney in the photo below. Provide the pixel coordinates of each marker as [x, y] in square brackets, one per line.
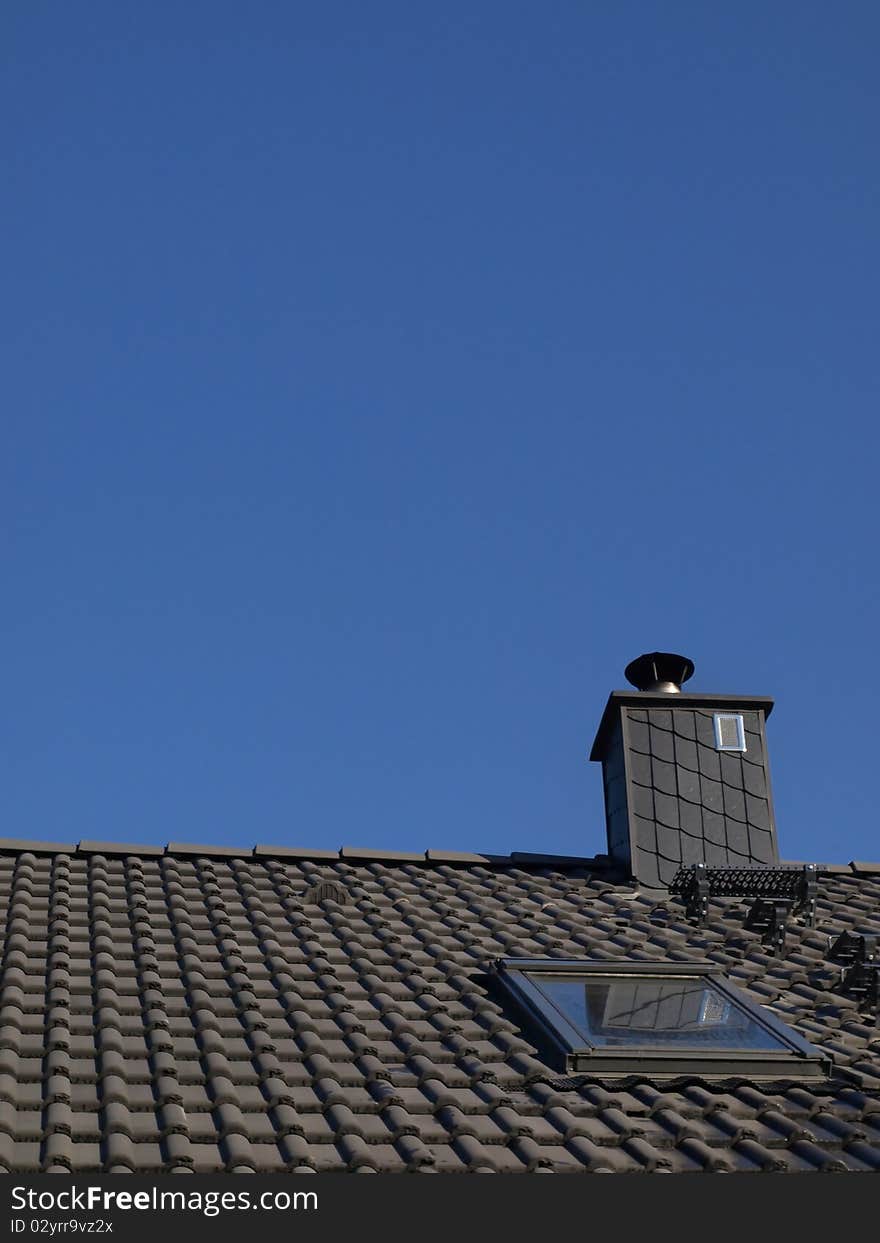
[686, 776]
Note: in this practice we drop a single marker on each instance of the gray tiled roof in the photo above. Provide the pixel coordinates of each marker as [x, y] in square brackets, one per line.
[188, 1009]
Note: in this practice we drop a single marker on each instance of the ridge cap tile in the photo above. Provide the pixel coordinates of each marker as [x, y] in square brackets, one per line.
[599, 862]
[219, 852]
[455, 856]
[367, 853]
[820, 867]
[91, 847]
[23, 845]
[538, 858]
[293, 852]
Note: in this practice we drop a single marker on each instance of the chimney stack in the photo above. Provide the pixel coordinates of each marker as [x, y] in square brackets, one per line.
[686, 775]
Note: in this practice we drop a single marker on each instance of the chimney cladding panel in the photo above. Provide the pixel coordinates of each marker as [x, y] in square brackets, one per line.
[616, 807]
[672, 797]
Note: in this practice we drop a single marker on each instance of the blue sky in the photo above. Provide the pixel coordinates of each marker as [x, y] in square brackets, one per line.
[381, 378]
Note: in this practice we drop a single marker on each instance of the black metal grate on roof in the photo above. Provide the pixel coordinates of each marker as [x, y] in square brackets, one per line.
[760, 882]
[778, 892]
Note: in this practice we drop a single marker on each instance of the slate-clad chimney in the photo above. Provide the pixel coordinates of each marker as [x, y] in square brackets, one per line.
[686, 776]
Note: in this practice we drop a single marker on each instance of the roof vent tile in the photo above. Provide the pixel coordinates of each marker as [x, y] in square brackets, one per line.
[326, 891]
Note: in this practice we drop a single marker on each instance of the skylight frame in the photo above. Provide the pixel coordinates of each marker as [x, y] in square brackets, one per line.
[567, 1046]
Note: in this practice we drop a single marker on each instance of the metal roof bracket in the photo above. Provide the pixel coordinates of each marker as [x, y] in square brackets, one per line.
[806, 902]
[860, 967]
[695, 892]
[770, 917]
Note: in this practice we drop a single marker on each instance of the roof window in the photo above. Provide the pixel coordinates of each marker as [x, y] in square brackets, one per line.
[653, 1018]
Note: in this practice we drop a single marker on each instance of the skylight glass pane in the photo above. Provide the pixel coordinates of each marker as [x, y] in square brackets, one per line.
[669, 1012]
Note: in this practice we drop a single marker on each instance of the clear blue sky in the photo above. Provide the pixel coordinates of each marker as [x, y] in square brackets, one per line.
[380, 378]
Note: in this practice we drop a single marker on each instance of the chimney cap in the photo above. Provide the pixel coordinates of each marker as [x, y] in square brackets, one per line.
[659, 671]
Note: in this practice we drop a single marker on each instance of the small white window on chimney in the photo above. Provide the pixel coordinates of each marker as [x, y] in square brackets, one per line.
[730, 734]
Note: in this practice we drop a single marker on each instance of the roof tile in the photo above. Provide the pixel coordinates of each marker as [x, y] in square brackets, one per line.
[117, 848]
[199, 1017]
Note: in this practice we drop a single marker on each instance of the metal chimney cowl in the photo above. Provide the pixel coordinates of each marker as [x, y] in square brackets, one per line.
[659, 671]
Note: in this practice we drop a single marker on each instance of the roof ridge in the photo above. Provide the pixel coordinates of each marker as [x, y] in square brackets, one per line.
[348, 854]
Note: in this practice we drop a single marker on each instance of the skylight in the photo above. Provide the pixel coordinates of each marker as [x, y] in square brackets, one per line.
[667, 1018]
